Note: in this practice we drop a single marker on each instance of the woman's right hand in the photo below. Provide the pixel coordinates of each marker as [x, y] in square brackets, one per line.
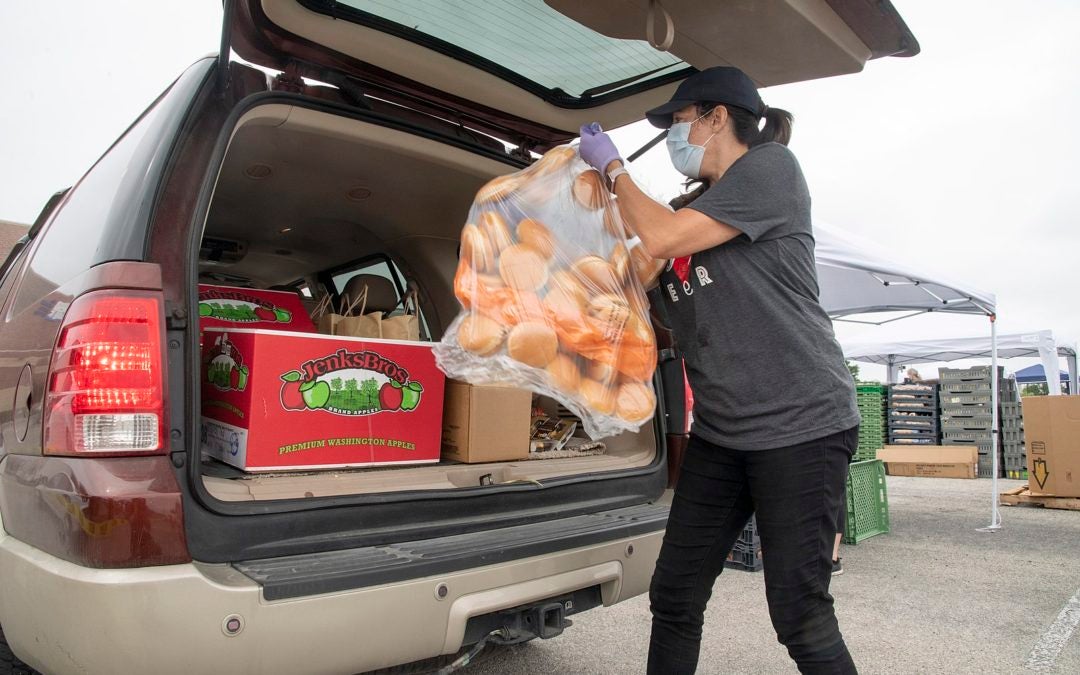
[597, 149]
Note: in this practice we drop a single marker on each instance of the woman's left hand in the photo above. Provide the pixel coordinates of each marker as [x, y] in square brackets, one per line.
[596, 148]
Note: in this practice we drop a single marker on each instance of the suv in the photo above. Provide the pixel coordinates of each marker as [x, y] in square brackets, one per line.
[123, 548]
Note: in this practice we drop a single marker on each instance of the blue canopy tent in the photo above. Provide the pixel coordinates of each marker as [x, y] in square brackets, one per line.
[1036, 373]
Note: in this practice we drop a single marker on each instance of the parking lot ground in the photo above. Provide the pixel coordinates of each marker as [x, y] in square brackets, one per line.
[933, 596]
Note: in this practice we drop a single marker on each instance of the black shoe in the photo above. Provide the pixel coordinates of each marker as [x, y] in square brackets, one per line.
[837, 567]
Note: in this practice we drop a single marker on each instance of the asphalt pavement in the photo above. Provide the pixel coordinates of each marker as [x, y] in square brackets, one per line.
[933, 596]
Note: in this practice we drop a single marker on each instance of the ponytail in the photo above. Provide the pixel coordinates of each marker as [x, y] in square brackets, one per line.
[777, 127]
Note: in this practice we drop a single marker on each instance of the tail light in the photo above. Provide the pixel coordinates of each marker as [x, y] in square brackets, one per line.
[106, 385]
[104, 505]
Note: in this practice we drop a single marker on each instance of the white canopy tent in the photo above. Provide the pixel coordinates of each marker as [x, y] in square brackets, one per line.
[1038, 344]
[858, 278]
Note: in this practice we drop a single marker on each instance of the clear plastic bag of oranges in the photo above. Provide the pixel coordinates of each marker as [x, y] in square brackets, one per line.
[552, 296]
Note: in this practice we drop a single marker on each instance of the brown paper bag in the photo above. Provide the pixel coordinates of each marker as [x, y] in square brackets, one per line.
[324, 318]
[351, 321]
[405, 326]
[362, 326]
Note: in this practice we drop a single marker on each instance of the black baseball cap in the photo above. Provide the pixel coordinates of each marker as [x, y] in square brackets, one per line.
[720, 84]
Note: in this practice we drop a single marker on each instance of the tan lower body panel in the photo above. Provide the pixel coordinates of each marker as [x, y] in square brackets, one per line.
[61, 617]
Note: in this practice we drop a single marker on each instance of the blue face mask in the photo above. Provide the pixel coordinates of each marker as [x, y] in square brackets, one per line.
[685, 156]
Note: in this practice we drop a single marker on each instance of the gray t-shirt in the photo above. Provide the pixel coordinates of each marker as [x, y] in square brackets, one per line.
[763, 361]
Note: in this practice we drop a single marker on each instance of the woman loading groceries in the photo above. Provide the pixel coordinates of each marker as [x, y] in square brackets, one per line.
[775, 420]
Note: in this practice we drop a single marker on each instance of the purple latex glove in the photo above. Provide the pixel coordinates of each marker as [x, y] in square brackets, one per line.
[596, 147]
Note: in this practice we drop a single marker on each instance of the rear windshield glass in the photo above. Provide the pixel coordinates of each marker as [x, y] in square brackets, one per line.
[524, 41]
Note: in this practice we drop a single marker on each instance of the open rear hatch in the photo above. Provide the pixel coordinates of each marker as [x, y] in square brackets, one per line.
[532, 71]
[308, 190]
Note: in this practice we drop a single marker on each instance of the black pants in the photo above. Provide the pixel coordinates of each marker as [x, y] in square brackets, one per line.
[795, 492]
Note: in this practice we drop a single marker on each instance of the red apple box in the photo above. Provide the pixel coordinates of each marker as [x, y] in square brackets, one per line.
[252, 308]
[275, 400]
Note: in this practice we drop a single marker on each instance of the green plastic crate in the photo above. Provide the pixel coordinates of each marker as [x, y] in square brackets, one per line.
[867, 501]
[870, 388]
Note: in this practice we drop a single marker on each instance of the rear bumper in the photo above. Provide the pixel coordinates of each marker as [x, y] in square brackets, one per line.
[60, 617]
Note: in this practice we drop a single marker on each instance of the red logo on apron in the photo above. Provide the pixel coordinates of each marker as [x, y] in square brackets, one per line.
[682, 268]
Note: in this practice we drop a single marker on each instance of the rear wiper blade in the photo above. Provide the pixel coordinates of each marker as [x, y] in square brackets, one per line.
[648, 146]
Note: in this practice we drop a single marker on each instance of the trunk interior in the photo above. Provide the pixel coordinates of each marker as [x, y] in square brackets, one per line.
[306, 199]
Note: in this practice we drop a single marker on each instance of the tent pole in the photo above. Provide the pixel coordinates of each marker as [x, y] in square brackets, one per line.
[995, 433]
[889, 376]
[1048, 354]
[1071, 366]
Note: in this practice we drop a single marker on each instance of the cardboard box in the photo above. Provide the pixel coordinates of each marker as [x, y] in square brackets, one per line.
[273, 400]
[486, 423]
[930, 461]
[229, 307]
[1052, 434]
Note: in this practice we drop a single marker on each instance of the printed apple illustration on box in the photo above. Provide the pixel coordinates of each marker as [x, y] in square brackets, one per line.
[225, 367]
[316, 394]
[396, 396]
[390, 396]
[410, 395]
[297, 394]
[291, 396]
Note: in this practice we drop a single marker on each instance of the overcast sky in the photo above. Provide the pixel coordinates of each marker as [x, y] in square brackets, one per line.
[960, 159]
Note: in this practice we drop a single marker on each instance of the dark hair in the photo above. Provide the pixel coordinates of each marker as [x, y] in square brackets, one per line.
[777, 127]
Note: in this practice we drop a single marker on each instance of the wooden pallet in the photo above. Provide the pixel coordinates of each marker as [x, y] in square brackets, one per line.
[1022, 496]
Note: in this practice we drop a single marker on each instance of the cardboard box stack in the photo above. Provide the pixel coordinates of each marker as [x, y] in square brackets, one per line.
[870, 397]
[913, 414]
[276, 396]
[967, 413]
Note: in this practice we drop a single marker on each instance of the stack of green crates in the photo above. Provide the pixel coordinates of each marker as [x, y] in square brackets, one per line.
[871, 398]
[867, 501]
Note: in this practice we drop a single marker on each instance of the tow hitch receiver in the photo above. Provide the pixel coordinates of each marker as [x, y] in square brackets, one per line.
[551, 619]
[544, 620]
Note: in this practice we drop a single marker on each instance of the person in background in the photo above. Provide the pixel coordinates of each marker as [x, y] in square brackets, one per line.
[912, 377]
[775, 420]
